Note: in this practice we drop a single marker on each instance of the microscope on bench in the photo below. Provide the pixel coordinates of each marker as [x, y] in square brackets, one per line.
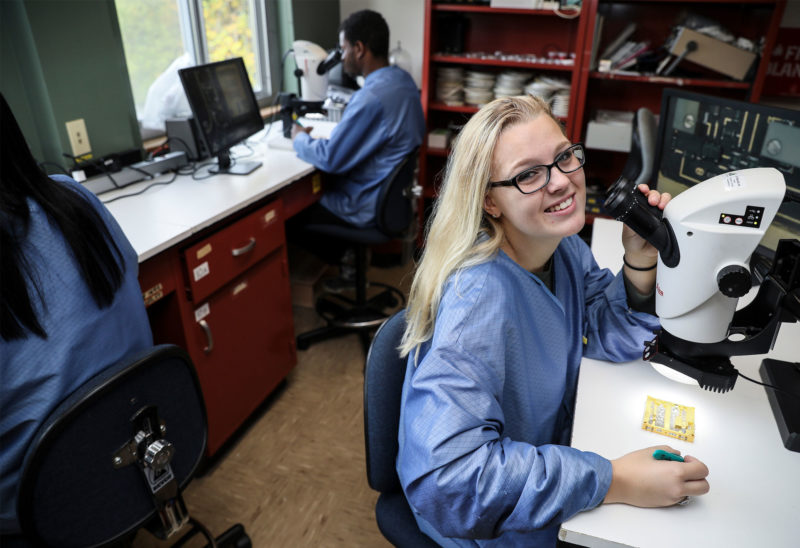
[705, 237]
[313, 63]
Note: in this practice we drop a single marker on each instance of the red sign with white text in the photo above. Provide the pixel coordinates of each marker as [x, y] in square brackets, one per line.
[783, 71]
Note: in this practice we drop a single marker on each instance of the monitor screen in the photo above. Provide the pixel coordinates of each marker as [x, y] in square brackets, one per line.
[224, 108]
[701, 136]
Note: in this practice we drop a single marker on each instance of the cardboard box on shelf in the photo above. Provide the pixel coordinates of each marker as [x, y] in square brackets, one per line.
[714, 54]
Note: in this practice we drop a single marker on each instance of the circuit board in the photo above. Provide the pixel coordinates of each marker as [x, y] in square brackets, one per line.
[703, 137]
[668, 419]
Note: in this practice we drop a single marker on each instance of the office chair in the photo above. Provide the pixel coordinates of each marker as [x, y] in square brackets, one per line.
[115, 456]
[383, 384]
[395, 218]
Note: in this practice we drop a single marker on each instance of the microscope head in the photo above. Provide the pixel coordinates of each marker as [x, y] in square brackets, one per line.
[705, 237]
[717, 225]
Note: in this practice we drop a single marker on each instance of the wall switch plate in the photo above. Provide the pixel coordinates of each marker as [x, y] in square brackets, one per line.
[78, 138]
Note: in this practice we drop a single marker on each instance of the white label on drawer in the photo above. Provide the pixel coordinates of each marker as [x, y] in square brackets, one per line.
[201, 271]
[239, 288]
[203, 251]
[269, 215]
[202, 312]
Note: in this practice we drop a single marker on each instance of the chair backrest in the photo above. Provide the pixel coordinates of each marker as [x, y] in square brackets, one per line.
[395, 212]
[640, 164]
[383, 383]
[72, 492]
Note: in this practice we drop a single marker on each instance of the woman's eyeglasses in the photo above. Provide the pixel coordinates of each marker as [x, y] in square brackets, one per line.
[537, 177]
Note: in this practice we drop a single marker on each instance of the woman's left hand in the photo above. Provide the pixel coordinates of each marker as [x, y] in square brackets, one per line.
[638, 251]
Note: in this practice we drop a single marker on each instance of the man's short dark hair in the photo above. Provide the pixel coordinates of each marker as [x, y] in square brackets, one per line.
[370, 27]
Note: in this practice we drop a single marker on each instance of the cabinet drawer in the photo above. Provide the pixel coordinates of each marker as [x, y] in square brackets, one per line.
[220, 257]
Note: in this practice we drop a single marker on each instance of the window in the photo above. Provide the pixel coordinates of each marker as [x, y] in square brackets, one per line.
[162, 36]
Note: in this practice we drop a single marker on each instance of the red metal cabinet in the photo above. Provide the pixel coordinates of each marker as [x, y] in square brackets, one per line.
[237, 317]
[241, 340]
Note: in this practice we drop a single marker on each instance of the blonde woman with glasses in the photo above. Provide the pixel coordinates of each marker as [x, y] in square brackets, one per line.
[505, 302]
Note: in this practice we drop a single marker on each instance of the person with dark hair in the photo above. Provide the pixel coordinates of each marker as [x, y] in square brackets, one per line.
[71, 303]
[382, 124]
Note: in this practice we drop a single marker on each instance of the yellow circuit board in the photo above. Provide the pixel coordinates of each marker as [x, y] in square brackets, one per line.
[668, 419]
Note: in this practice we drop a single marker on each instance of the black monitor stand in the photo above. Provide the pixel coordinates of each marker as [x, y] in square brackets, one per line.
[785, 405]
[237, 167]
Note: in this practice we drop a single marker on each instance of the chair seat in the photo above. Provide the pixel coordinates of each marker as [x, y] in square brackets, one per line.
[397, 523]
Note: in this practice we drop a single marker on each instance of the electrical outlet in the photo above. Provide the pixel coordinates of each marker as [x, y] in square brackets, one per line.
[78, 138]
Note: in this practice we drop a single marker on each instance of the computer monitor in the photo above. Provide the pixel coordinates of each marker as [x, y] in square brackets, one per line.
[701, 136]
[224, 108]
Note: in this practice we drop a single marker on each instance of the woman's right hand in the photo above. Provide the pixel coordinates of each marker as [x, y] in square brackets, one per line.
[640, 480]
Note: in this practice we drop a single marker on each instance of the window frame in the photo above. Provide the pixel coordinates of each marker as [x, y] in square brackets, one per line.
[265, 41]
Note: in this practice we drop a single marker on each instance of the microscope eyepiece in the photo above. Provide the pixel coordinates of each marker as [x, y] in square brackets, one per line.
[624, 202]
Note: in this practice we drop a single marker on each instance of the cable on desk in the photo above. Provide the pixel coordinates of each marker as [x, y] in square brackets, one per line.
[165, 144]
[98, 163]
[145, 189]
[198, 167]
[143, 172]
[247, 146]
[772, 386]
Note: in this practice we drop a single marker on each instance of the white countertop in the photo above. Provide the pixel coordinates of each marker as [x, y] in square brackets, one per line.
[167, 214]
[754, 499]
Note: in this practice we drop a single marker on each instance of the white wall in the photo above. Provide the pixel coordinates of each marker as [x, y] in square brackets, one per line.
[406, 19]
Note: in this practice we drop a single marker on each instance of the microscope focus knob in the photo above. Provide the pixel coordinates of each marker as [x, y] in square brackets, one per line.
[734, 281]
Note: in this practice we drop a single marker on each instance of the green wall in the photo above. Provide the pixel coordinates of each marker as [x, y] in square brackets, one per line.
[76, 48]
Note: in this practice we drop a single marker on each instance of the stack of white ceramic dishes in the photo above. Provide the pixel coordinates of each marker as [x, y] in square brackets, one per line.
[478, 87]
[545, 87]
[450, 85]
[559, 103]
[510, 83]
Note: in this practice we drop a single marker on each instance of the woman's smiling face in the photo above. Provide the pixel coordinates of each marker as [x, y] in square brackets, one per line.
[549, 214]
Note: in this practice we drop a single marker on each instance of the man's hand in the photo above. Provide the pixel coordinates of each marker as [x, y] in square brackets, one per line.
[297, 129]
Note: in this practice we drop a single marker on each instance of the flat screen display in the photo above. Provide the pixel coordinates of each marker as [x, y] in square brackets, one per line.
[701, 136]
[224, 108]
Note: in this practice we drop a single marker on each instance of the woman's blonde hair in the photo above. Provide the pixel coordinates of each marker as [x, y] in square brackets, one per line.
[458, 218]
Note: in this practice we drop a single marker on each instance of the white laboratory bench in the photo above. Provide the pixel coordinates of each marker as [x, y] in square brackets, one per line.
[754, 499]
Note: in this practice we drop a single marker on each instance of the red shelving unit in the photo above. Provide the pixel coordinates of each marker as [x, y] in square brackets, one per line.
[752, 19]
[537, 32]
[514, 32]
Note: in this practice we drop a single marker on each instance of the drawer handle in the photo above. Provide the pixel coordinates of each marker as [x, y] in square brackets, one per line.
[246, 249]
[207, 329]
